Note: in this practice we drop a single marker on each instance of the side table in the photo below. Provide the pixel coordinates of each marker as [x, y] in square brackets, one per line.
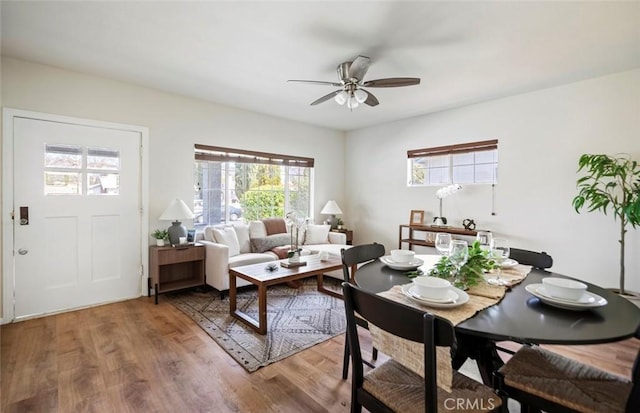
[175, 268]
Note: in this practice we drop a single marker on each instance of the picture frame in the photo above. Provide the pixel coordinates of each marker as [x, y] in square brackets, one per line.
[417, 217]
[191, 235]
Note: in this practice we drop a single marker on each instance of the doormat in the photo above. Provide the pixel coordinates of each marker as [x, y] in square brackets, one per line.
[297, 318]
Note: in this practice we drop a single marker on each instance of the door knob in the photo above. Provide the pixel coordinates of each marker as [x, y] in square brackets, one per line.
[23, 251]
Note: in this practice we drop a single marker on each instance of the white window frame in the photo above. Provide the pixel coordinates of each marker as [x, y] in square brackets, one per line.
[440, 167]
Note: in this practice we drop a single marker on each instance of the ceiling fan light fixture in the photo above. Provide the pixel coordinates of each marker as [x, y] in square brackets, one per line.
[341, 98]
[360, 95]
[352, 102]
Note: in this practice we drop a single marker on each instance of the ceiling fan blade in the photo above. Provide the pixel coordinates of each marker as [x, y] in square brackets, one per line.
[371, 100]
[393, 82]
[317, 82]
[326, 97]
[359, 67]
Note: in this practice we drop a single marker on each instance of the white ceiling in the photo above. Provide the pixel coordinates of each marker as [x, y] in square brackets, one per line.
[241, 53]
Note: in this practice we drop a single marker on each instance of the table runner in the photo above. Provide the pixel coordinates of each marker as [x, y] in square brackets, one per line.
[410, 354]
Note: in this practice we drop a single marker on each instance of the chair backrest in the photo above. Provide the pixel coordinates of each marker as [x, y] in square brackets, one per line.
[399, 320]
[540, 260]
[358, 254]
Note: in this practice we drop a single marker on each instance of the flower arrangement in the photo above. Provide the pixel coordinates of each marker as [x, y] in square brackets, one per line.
[162, 234]
[295, 225]
[471, 273]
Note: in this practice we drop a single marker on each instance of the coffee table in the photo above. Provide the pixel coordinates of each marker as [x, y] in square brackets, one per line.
[258, 275]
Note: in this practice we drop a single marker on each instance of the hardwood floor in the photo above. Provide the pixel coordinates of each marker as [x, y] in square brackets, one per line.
[135, 356]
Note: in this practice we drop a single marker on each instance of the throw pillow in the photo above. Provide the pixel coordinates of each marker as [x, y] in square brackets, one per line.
[228, 237]
[257, 229]
[317, 234]
[281, 252]
[269, 242]
[242, 231]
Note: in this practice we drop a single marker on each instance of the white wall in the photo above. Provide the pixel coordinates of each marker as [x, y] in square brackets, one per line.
[541, 134]
[175, 124]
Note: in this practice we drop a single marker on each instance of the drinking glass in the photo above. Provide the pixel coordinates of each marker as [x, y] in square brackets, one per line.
[484, 238]
[458, 255]
[443, 243]
[499, 252]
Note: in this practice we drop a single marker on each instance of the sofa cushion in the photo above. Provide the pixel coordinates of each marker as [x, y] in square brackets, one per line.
[257, 229]
[208, 234]
[242, 231]
[228, 237]
[266, 243]
[250, 258]
[316, 234]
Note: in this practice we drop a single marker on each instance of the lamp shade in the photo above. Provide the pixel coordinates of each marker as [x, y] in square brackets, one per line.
[176, 211]
[331, 208]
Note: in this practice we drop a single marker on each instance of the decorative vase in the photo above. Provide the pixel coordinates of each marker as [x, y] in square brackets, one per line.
[160, 242]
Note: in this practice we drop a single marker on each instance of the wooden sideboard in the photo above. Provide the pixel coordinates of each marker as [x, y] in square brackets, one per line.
[424, 235]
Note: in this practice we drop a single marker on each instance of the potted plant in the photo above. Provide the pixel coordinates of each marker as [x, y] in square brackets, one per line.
[611, 183]
[471, 273]
[160, 235]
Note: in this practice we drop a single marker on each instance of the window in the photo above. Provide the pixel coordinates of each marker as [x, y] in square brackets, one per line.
[467, 163]
[67, 166]
[234, 184]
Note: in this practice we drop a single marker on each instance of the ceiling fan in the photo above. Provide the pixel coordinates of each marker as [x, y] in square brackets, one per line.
[352, 83]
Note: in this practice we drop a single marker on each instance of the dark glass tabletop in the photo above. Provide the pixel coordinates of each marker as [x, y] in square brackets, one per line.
[523, 318]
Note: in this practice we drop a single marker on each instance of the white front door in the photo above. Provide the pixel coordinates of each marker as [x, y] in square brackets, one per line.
[77, 215]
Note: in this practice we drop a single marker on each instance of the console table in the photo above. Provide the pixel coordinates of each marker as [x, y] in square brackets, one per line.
[175, 268]
[409, 234]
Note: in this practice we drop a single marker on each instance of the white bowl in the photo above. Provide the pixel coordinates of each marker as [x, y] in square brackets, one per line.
[564, 288]
[431, 287]
[402, 256]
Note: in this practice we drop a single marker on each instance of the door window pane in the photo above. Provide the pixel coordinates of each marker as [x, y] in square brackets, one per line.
[103, 159]
[103, 184]
[62, 183]
[63, 156]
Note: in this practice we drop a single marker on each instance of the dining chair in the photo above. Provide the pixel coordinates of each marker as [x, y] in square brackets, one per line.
[392, 387]
[542, 380]
[351, 258]
[540, 260]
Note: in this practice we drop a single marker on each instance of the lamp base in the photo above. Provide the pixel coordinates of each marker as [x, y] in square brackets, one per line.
[176, 230]
[333, 221]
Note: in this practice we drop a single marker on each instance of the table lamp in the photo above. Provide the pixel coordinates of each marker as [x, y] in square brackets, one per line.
[443, 193]
[331, 208]
[176, 211]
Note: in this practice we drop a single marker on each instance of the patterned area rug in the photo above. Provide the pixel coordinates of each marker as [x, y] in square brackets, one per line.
[297, 318]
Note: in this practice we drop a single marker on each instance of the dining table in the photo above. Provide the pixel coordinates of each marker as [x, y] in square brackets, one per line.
[519, 316]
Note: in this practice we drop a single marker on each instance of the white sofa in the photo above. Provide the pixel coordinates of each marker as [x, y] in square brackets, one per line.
[235, 245]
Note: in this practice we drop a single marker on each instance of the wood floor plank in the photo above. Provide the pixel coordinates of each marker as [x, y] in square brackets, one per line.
[136, 356]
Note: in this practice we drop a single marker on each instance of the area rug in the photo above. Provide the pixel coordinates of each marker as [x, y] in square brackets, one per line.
[297, 318]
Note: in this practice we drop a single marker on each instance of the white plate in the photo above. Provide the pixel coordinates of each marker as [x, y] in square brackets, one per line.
[508, 263]
[587, 301]
[451, 296]
[461, 298]
[411, 265]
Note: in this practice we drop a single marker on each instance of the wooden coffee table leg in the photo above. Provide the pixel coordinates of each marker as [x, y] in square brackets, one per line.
[262, 309]
[233, 304]
[321, 288]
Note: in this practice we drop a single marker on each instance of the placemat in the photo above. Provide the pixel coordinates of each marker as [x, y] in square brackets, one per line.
[410, 353]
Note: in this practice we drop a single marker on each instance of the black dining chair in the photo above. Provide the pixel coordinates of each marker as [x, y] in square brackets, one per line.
[540, 260]
[542, 380]
[351, 258]
[391, 387]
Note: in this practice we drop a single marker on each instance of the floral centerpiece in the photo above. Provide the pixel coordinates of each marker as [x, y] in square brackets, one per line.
[471, 273]
[295, 225]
